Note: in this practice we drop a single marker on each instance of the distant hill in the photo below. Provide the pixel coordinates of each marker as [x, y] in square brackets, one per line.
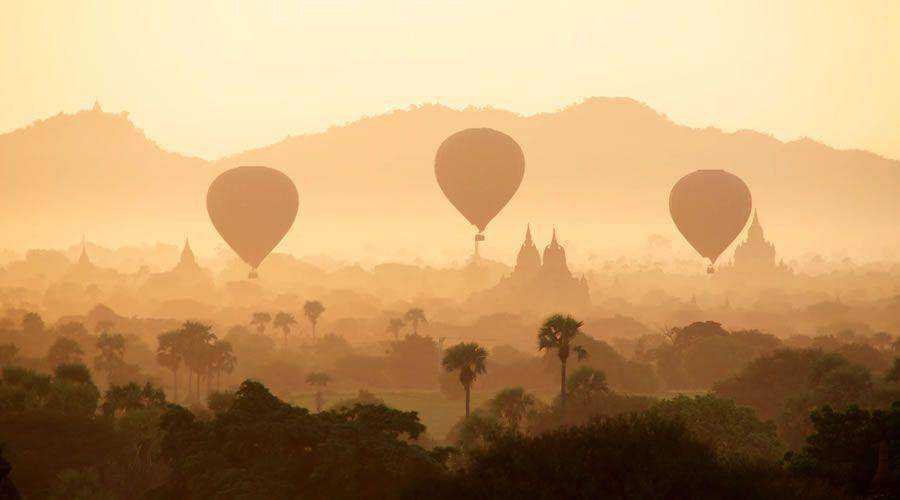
[93, 172]
[600, 170]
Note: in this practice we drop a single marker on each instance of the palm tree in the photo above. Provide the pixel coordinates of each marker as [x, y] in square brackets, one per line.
[320, 380]
[260, 320]
[469, 358]
[395, 325]
[197, 344]
[557, 332]
[312, 309]
[223, 360]
[169, 355]
[415, 316]
[284, 321]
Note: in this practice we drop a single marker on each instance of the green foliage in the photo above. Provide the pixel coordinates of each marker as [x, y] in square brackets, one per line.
[32, 324]
[789, 384]
[467, 358]
[622, 374]
[364, 397]
[845, 446]
[394, 327]
[557, 333]
[8, 354]
[501, 415]
[414, 317]
[512, 406]
[637, 456]
[112, 354]
[75, 372]
[586, 384]
[260, 320]
[122, 399]
[703, 353]
[767, 382]
[593, 400]
[728, 429]
[70, 391]
[312, 309]
[41, 443]
[64, 351]
[220, 401]
[262, 447]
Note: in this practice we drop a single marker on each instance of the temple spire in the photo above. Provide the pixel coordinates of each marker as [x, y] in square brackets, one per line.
[756, 230]
[528, 234]
[84, 259]
[553, 241]
[187, 255]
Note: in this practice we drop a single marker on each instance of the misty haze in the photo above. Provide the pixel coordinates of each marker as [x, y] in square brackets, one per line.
[477, 250]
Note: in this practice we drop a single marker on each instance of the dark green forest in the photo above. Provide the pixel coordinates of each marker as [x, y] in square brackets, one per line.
[792, 423]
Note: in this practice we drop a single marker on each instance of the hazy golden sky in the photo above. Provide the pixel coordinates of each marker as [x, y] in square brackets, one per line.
[213, 78]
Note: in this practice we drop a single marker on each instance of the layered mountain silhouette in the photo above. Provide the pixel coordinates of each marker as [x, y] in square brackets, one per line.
[601, 170]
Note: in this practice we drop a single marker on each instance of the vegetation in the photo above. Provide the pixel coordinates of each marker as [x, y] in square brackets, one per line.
[395, 326]
[319, 380]
[284, 321]
[557, 333]
[791, 422]
[312, 309]
[469, 360]
[414, 317]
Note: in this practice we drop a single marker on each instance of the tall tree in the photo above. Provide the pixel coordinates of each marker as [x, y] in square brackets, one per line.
[469, 358]
[312, 309]
[261, 320]
[558, 332]
[285, 321]
[170, 354]
[223, 360]
[112, 354]
[319, 380]
[32, 324]
[415, 316]
[395, 325]
[64, 351]
[198, 339]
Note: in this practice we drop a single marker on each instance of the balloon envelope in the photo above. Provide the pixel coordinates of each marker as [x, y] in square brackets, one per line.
[252, 208]
[479, 170]
[710, 208]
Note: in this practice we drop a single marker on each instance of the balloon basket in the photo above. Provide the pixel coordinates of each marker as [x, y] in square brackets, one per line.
[253, 275]
[479, 237]
[710, 270]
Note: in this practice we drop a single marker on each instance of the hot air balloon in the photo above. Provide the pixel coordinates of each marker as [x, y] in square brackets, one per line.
[710, 208]
[479, 170]
[252, 208]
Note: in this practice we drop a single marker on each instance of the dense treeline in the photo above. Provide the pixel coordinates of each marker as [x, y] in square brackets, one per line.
[766, 419]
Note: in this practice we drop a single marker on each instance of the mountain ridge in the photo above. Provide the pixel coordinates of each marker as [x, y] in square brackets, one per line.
[612, 161]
